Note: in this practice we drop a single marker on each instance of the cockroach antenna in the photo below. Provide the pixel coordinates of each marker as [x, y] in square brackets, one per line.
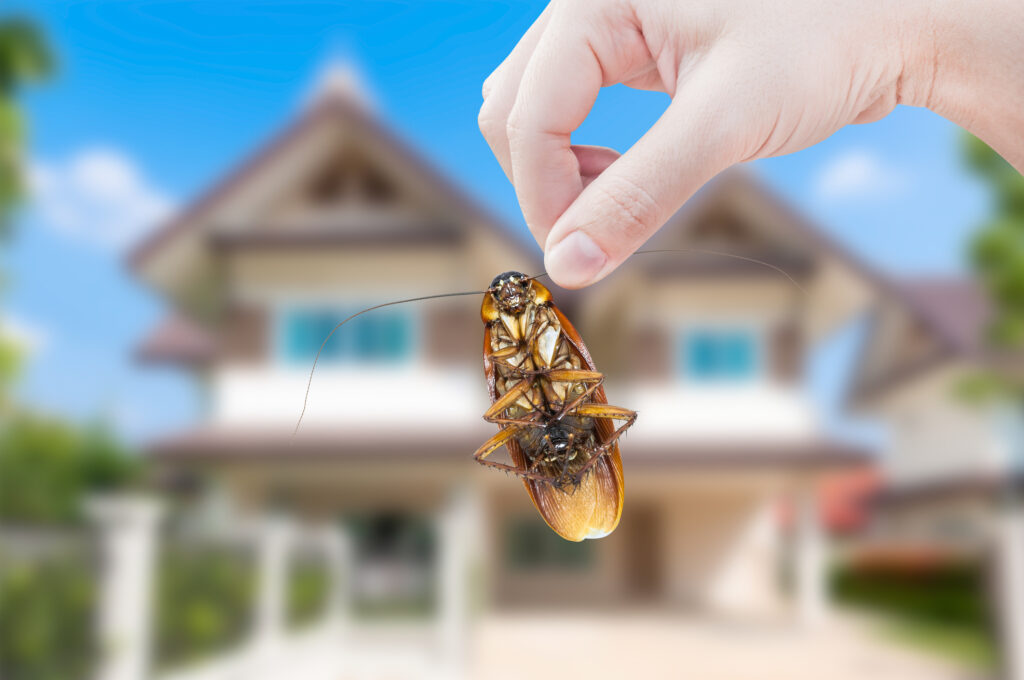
[312, 370]
[717, 253]
[734, 256]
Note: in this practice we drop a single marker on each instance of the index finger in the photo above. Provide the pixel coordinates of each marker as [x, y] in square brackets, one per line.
[558, 90]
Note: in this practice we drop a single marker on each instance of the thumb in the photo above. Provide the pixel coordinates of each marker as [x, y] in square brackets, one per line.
[628, 202]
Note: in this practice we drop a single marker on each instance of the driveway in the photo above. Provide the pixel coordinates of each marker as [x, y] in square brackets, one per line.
[643, 646]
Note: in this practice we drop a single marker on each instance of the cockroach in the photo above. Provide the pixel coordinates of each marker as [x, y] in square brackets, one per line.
[548, 400]
[547, 397]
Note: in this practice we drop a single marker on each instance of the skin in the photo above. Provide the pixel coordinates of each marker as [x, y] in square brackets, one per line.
[747, 79]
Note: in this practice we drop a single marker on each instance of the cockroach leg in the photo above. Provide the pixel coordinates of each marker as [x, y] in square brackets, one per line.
[494, 443]
[532, 420]
[518, 370]
[592, 379]
[609, 412]
[500, 438]
[507, 400]
[594, 410]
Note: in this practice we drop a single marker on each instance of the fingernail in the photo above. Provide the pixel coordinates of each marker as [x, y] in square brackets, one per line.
[575, 261]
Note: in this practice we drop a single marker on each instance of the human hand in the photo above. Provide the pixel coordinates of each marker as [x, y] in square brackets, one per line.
[748, 79]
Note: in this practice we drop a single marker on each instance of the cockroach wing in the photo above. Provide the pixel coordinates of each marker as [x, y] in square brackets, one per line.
[593, 509]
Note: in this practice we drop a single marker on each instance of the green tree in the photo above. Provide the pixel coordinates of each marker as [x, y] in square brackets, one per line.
[24, 58]
[997, 253]
[46, 467]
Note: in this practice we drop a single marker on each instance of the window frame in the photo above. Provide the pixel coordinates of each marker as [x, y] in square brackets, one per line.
[756, 329]
[283, 309]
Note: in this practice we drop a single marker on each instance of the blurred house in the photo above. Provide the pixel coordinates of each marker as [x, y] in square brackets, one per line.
[336, 214]
[951, 457]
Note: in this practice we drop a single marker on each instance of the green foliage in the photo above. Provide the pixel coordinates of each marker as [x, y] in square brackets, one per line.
[309, 586]
[971, 646]
[10, 365]
[47, 611]
[24, 57]
[939, 607]
[46, 468]
[997, 252]
[204, 599]
[941, 594]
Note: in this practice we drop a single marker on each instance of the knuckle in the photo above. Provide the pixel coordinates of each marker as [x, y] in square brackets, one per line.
[491, 122]
[633, 208]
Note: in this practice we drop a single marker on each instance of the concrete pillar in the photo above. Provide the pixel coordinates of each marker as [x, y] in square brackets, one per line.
[809, 559]
[455, 534]
[338, 552]
[128, 538]
[1009, 589]
[274, 537]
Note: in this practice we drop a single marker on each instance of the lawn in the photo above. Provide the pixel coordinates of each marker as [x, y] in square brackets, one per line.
[970, 646]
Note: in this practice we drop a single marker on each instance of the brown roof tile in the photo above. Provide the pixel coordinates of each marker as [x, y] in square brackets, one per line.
[177, 340]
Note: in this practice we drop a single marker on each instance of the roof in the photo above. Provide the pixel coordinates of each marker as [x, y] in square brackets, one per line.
[805, 231]
[987, 486]
[177, 340]
[953, 310]
[322, 109]
[247, 444]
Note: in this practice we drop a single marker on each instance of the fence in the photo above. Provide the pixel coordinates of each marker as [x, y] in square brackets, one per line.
[267, 599]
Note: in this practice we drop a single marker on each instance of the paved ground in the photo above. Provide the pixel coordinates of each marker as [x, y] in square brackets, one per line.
[631, 647]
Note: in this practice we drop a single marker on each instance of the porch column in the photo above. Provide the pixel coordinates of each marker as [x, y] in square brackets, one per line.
[1009, 589]
[809, 559]
[455, 534]
[127, 533]
[273, 538]
[338, 552]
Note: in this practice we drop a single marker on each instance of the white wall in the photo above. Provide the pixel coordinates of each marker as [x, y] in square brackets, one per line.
[355, 397]
[722, 553]
[937, 434]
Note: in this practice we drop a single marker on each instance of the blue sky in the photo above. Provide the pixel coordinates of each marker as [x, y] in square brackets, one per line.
[155, 100]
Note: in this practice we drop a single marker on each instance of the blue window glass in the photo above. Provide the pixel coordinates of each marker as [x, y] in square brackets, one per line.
[719, 354]
[379, 337]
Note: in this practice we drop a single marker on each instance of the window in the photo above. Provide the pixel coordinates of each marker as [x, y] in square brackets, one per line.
[720, 354]
[383, 336]
[530, 544]
[394, 555]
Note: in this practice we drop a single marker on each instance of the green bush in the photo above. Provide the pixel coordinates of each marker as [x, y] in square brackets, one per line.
[48, 467]
[205, 601]
[47, 610]
[309, 586]
[951, 594]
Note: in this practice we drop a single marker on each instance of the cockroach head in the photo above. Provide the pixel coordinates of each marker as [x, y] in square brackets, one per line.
[511, 292]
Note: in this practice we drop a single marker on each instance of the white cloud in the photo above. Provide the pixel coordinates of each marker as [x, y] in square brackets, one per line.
[30, 337]
[98, 195]
[858, 174]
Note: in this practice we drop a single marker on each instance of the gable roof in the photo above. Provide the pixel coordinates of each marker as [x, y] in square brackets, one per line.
[342, 110]
[836, 282]
[956, 309]
[953, 311]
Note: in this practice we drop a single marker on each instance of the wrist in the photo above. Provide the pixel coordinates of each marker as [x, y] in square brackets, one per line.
[964, 60]
[917, 30]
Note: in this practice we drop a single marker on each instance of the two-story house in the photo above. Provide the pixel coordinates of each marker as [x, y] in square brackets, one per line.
[336, 214]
